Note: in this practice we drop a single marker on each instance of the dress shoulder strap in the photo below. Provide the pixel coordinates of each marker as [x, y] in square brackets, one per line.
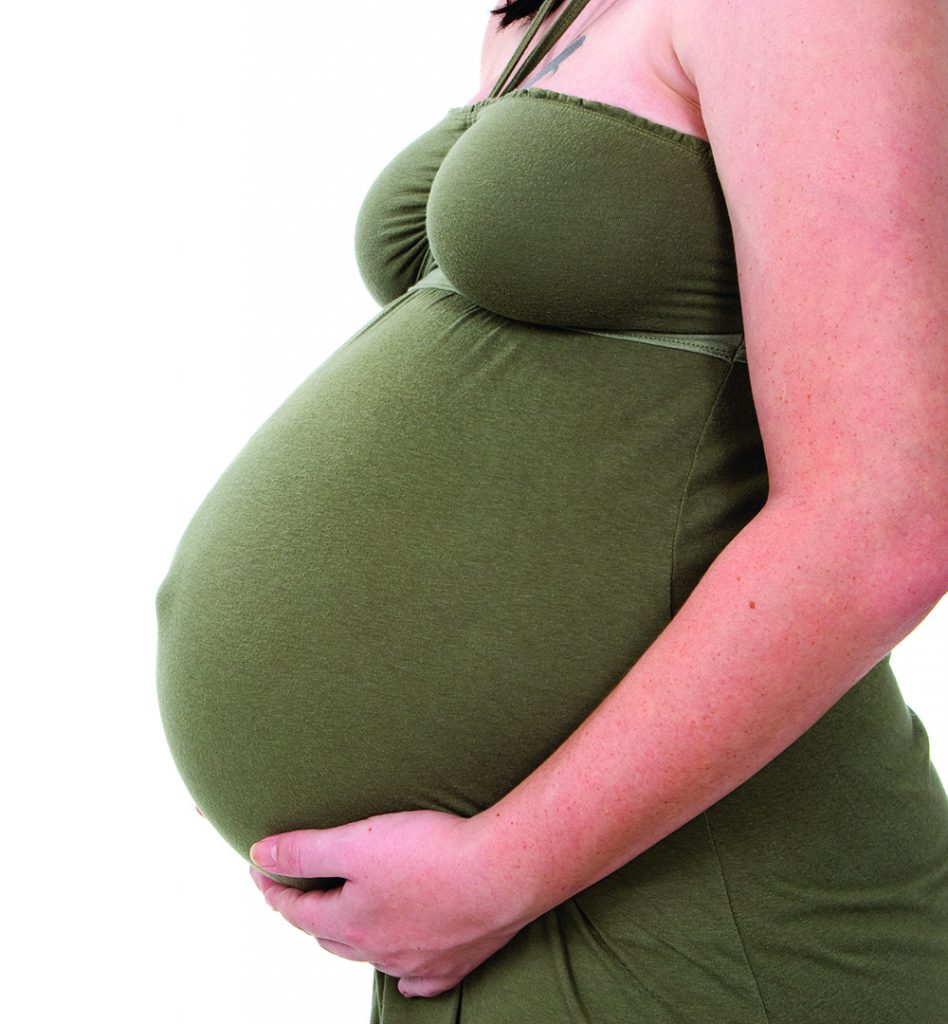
[566, 18]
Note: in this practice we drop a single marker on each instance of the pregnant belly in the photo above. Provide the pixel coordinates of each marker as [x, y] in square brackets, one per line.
[425, 569]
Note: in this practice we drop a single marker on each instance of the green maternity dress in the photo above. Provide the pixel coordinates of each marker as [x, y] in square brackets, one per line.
[445, 548]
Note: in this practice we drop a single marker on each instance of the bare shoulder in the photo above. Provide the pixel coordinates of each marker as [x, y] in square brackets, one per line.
[819, 71]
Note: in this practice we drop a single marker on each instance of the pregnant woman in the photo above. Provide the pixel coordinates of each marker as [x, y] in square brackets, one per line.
[537, 644]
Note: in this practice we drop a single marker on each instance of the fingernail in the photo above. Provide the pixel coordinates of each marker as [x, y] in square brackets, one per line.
[262, 854]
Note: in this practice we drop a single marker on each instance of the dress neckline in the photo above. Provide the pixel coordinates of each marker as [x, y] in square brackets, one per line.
[685, 140]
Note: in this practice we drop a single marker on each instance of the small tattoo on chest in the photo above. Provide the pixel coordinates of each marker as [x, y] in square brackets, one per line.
[550, 68]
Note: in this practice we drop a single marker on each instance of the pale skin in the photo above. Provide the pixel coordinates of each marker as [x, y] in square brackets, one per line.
[831, 146]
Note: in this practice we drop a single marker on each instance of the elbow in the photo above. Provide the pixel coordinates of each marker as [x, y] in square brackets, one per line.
[917, 560]
[888, 556]
[910, 538]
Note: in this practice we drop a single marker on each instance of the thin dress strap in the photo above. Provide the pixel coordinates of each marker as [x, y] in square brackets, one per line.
[566, 18]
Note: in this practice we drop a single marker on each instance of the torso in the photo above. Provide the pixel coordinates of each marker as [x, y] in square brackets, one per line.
[621, 52]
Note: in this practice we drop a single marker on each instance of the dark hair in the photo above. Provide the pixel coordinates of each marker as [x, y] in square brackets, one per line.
[515, 10]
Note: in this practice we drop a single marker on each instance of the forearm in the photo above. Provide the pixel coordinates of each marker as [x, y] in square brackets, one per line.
[790, 615]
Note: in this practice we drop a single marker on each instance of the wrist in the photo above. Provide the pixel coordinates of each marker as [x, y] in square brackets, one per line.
[502, 863]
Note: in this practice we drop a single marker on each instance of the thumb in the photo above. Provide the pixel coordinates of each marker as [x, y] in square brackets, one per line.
[304, 853]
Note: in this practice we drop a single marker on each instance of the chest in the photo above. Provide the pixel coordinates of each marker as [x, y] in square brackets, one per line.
[548, 208]
[621, 52]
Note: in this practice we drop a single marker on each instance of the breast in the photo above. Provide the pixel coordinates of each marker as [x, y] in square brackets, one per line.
[554, 209]
[391, 236]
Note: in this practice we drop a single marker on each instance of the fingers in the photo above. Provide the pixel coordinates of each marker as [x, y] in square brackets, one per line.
[427, 987]
[305, 853]
[259, 879]
[312, 912]
[341, 949]
[198, 809]
[315, 913]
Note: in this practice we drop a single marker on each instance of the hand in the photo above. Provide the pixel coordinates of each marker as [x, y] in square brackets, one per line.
[418, 901]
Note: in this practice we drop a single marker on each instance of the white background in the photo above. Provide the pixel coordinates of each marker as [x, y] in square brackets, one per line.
[178, 189]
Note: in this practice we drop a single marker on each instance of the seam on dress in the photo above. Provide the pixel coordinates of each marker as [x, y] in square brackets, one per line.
[619, 115]
[727, 347]
[436, 285]
[672, 611]
[673, 569]
[720, 346]
[642, 129]
[737, 928]
[607, 946]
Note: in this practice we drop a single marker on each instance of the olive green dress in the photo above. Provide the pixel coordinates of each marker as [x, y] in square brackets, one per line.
[445, 548]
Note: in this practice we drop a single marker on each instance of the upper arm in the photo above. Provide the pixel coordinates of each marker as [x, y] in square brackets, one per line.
[828, 122]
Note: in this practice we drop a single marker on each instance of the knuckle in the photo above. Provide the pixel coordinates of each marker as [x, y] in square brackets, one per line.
[353, 936]
[286, 853]
[397, 967]
[282, 901]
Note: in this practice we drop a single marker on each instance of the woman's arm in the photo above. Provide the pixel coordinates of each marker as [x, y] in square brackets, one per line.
[830, 136]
